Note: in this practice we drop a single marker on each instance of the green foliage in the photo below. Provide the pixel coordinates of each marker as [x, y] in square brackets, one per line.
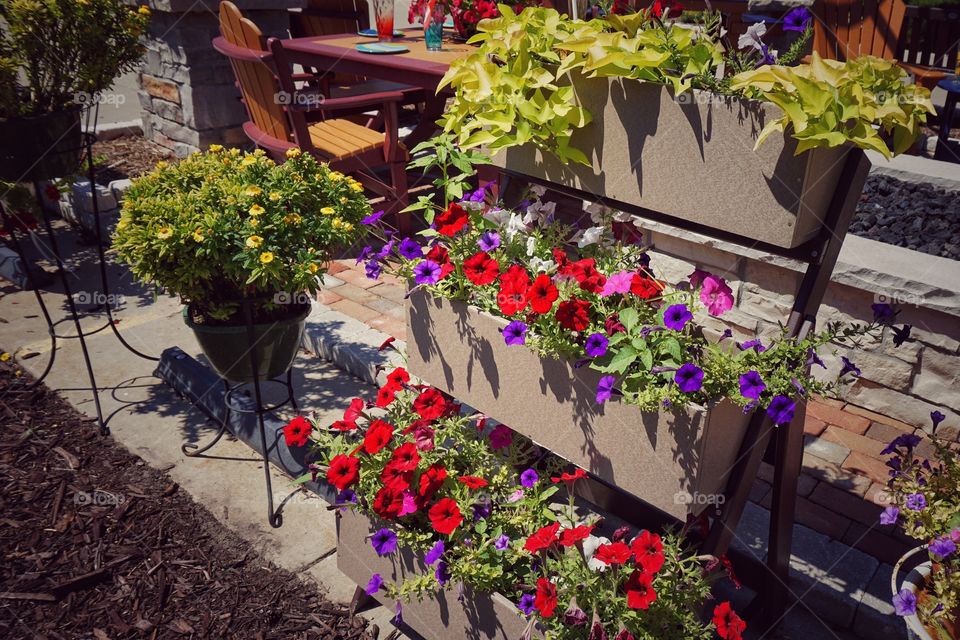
[64, 48]
[221, 225]
[829, 103]
[454, 164]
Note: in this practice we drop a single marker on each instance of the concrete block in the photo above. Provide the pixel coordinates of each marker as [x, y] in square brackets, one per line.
[119, 187]
[83, 200]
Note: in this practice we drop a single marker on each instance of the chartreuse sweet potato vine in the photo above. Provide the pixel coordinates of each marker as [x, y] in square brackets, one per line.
[515, 89]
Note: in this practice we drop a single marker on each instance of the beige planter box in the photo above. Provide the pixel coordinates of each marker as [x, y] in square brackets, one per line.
[674, 462]
[440, 616]
[692, 157]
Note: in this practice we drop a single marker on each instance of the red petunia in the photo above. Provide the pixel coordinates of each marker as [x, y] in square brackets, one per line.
[377, 437]
[452, 220]
[639, 588]
[430, 404]
[398, 376]
[648, 551]
[546, 598]
[729, 625]
[343, 425]
[644, 287]
[386, 395]
[613, 553]
[297, 432]
[542, 294]
[445, 516]
[405, 457]
[431, 480]
[512, 297]
[542, 538]
[441, 256]
[473, 482]
[386, 343]
[343, 472]
[570, 537]
[354, 411]
[396, 478]
[481, 269]
[573, 314]
[388, 503]
[569, 477]
[585, 273]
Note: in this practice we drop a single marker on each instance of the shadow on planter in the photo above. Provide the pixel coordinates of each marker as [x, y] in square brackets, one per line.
[679, 463]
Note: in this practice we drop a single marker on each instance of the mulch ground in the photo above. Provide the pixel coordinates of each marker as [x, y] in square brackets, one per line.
[96, 544]
[127, 157]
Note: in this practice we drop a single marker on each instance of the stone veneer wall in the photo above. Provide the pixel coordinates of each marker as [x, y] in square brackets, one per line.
[187, 93]
[905, 383]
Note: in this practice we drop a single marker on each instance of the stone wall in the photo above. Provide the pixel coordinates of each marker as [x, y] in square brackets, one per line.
[187, 93]
[905, 383]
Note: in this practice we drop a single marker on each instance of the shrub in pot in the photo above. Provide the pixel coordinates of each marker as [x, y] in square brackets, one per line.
[925, 502]
[56, 56]
[223, 227]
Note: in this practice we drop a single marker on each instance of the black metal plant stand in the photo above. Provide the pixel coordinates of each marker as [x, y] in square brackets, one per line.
[81, 334]
[233, 405]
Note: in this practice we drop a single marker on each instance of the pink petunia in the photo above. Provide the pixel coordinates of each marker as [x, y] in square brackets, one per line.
[716, 295]
[501, 436]
[617, 283]
[409, 504]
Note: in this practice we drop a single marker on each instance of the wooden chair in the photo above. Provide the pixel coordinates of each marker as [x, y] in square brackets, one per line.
[276, 108]
[930, 43]
[845, 29]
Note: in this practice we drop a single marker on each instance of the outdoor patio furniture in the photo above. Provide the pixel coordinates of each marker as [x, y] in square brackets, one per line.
[947, 150]
[277, 108]
[930, 43]
[846, 29]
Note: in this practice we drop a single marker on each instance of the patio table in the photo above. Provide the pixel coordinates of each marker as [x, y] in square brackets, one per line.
[417, 67]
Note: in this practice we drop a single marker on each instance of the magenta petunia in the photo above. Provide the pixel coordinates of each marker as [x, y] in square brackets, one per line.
[617, 283]
[716, 295]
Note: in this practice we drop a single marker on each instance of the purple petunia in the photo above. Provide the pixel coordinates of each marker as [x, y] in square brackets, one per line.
[605, 388]
[907, 440]
[797, 19]
[882, 312]
[526, 603]
[756, 345]
[515, 333]
[943, 547]
[376, 581]
[384, 542]
[890, 515]
[689, 378]
[366, 252]
[596, 345]
[751, 385]
[410, 249]
[398, 616]
[727, 333]
[916, 502]
[529, 478]
[373, 218]
[441, 573]
[849, 367]
[813, 358]
[435, 552]
[781, 410]
[937, 418]
[501, 543]
[489, 241]
[427, 272]
[372, 267]
[905, 603]
[677, 316]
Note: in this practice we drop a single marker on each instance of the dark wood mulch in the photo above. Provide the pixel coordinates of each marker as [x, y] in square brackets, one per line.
[96, 544]
[127, 157]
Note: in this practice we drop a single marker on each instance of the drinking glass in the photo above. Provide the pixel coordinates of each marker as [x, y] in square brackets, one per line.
[383, 14]
[433, 21]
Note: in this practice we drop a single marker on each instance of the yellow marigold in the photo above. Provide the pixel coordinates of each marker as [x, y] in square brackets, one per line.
[344, 199]
[163, 164]
[214, 148]
[293, 153]
[292, 218]
[247, 161]
[266, 257]
[198, 235]
[274, 196]
[234, 152]
[144, 10]
[6, 356]
[164, 233]
[256, 210]
[252, 191]
[328, 211]
[348, 226]
[336, 176]
[337, 222]
[227, 162]
[312, 268]
[254, 222]
[356, 186]
[259, 152]
[254, 241]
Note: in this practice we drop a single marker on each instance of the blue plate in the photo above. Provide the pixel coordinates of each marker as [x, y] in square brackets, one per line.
[372, 33]
[382, 48]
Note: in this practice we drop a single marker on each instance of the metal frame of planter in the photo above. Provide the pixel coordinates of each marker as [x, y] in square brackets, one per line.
[782, 447]
[81, 335]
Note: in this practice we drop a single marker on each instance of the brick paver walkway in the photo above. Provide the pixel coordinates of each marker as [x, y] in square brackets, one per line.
[841, 491]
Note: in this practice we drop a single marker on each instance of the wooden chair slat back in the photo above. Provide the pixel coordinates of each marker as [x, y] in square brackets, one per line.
[258, 83]
[845, 29]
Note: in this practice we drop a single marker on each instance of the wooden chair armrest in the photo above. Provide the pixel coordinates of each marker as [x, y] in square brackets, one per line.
[309, 100]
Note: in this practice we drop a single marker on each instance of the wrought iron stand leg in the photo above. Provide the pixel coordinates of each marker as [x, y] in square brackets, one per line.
[290, 397]
[192, 449]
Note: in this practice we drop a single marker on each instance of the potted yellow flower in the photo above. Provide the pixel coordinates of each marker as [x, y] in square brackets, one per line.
[223, 227]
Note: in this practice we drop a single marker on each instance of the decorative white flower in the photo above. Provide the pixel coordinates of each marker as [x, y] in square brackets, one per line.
[590, 546]
[538, 265]
[531, 246]
[593, 235]
[497, 216]
[514, 226]
[753, 37]
[540, 213]
[539, 190]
